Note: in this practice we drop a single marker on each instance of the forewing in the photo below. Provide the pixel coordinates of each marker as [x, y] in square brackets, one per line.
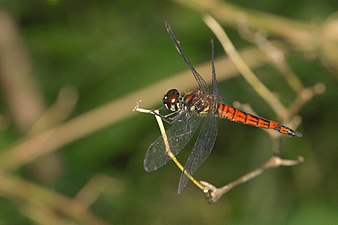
[202, 149]
[215, 90]
[201, 83]
[178, 136]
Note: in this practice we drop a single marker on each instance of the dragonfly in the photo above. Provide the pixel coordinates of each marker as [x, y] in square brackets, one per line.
[199, 108]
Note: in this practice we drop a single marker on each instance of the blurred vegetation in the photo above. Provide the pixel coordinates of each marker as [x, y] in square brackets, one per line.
[105, 50]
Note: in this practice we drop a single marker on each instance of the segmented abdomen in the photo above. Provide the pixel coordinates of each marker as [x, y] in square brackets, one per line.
[233, 114]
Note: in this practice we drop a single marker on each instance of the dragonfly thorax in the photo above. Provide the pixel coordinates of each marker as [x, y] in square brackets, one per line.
[172, 100]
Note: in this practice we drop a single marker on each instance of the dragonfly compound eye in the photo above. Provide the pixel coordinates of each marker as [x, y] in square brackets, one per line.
[170, 100]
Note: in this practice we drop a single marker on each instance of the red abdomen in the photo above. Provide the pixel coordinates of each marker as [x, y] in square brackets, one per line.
[233, 114]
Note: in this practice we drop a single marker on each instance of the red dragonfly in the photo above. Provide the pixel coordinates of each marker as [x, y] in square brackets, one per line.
[189, 111]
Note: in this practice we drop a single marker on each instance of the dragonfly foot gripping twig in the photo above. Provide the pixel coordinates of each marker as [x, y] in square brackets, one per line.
[167, 147]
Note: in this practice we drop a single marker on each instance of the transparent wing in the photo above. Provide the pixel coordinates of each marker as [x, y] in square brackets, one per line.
[202, 149]
[178, 136]
[201, 83]
[215, 90]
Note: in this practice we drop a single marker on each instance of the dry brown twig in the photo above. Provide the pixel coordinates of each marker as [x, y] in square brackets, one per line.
[19, 87]
[214, 194]
[96, 186]
[42, 214]
[277, 58]
[166, 144]
[319, 40]
[18, 189]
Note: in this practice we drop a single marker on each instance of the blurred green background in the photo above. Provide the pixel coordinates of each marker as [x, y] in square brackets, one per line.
[107, 49]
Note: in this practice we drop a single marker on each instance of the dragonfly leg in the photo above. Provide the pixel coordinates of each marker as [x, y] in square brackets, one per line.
[169, 118]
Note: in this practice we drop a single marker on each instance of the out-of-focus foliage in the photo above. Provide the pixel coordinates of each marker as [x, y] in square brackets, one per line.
[107, 49]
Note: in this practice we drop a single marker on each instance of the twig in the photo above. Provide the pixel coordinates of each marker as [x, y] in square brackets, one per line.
[245, 70]
[42, 214]
[167, 147]
[97, 185]
[275, 55]
[214, 193]
[15, 188]
[299, 34]
[19, 88]
[304, 96]
[58, 112]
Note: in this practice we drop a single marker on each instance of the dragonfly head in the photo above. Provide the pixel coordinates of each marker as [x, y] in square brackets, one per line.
[171, 100]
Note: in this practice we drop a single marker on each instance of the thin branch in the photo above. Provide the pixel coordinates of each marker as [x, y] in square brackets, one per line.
[96, 186]
[214, 193]
[19, 88]
[245, 70]
[305, 96]
[17, 189]
[317, 39]
[276, 57]
[42, 214]
[58, 112]
[167, 147]
[299, 34]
